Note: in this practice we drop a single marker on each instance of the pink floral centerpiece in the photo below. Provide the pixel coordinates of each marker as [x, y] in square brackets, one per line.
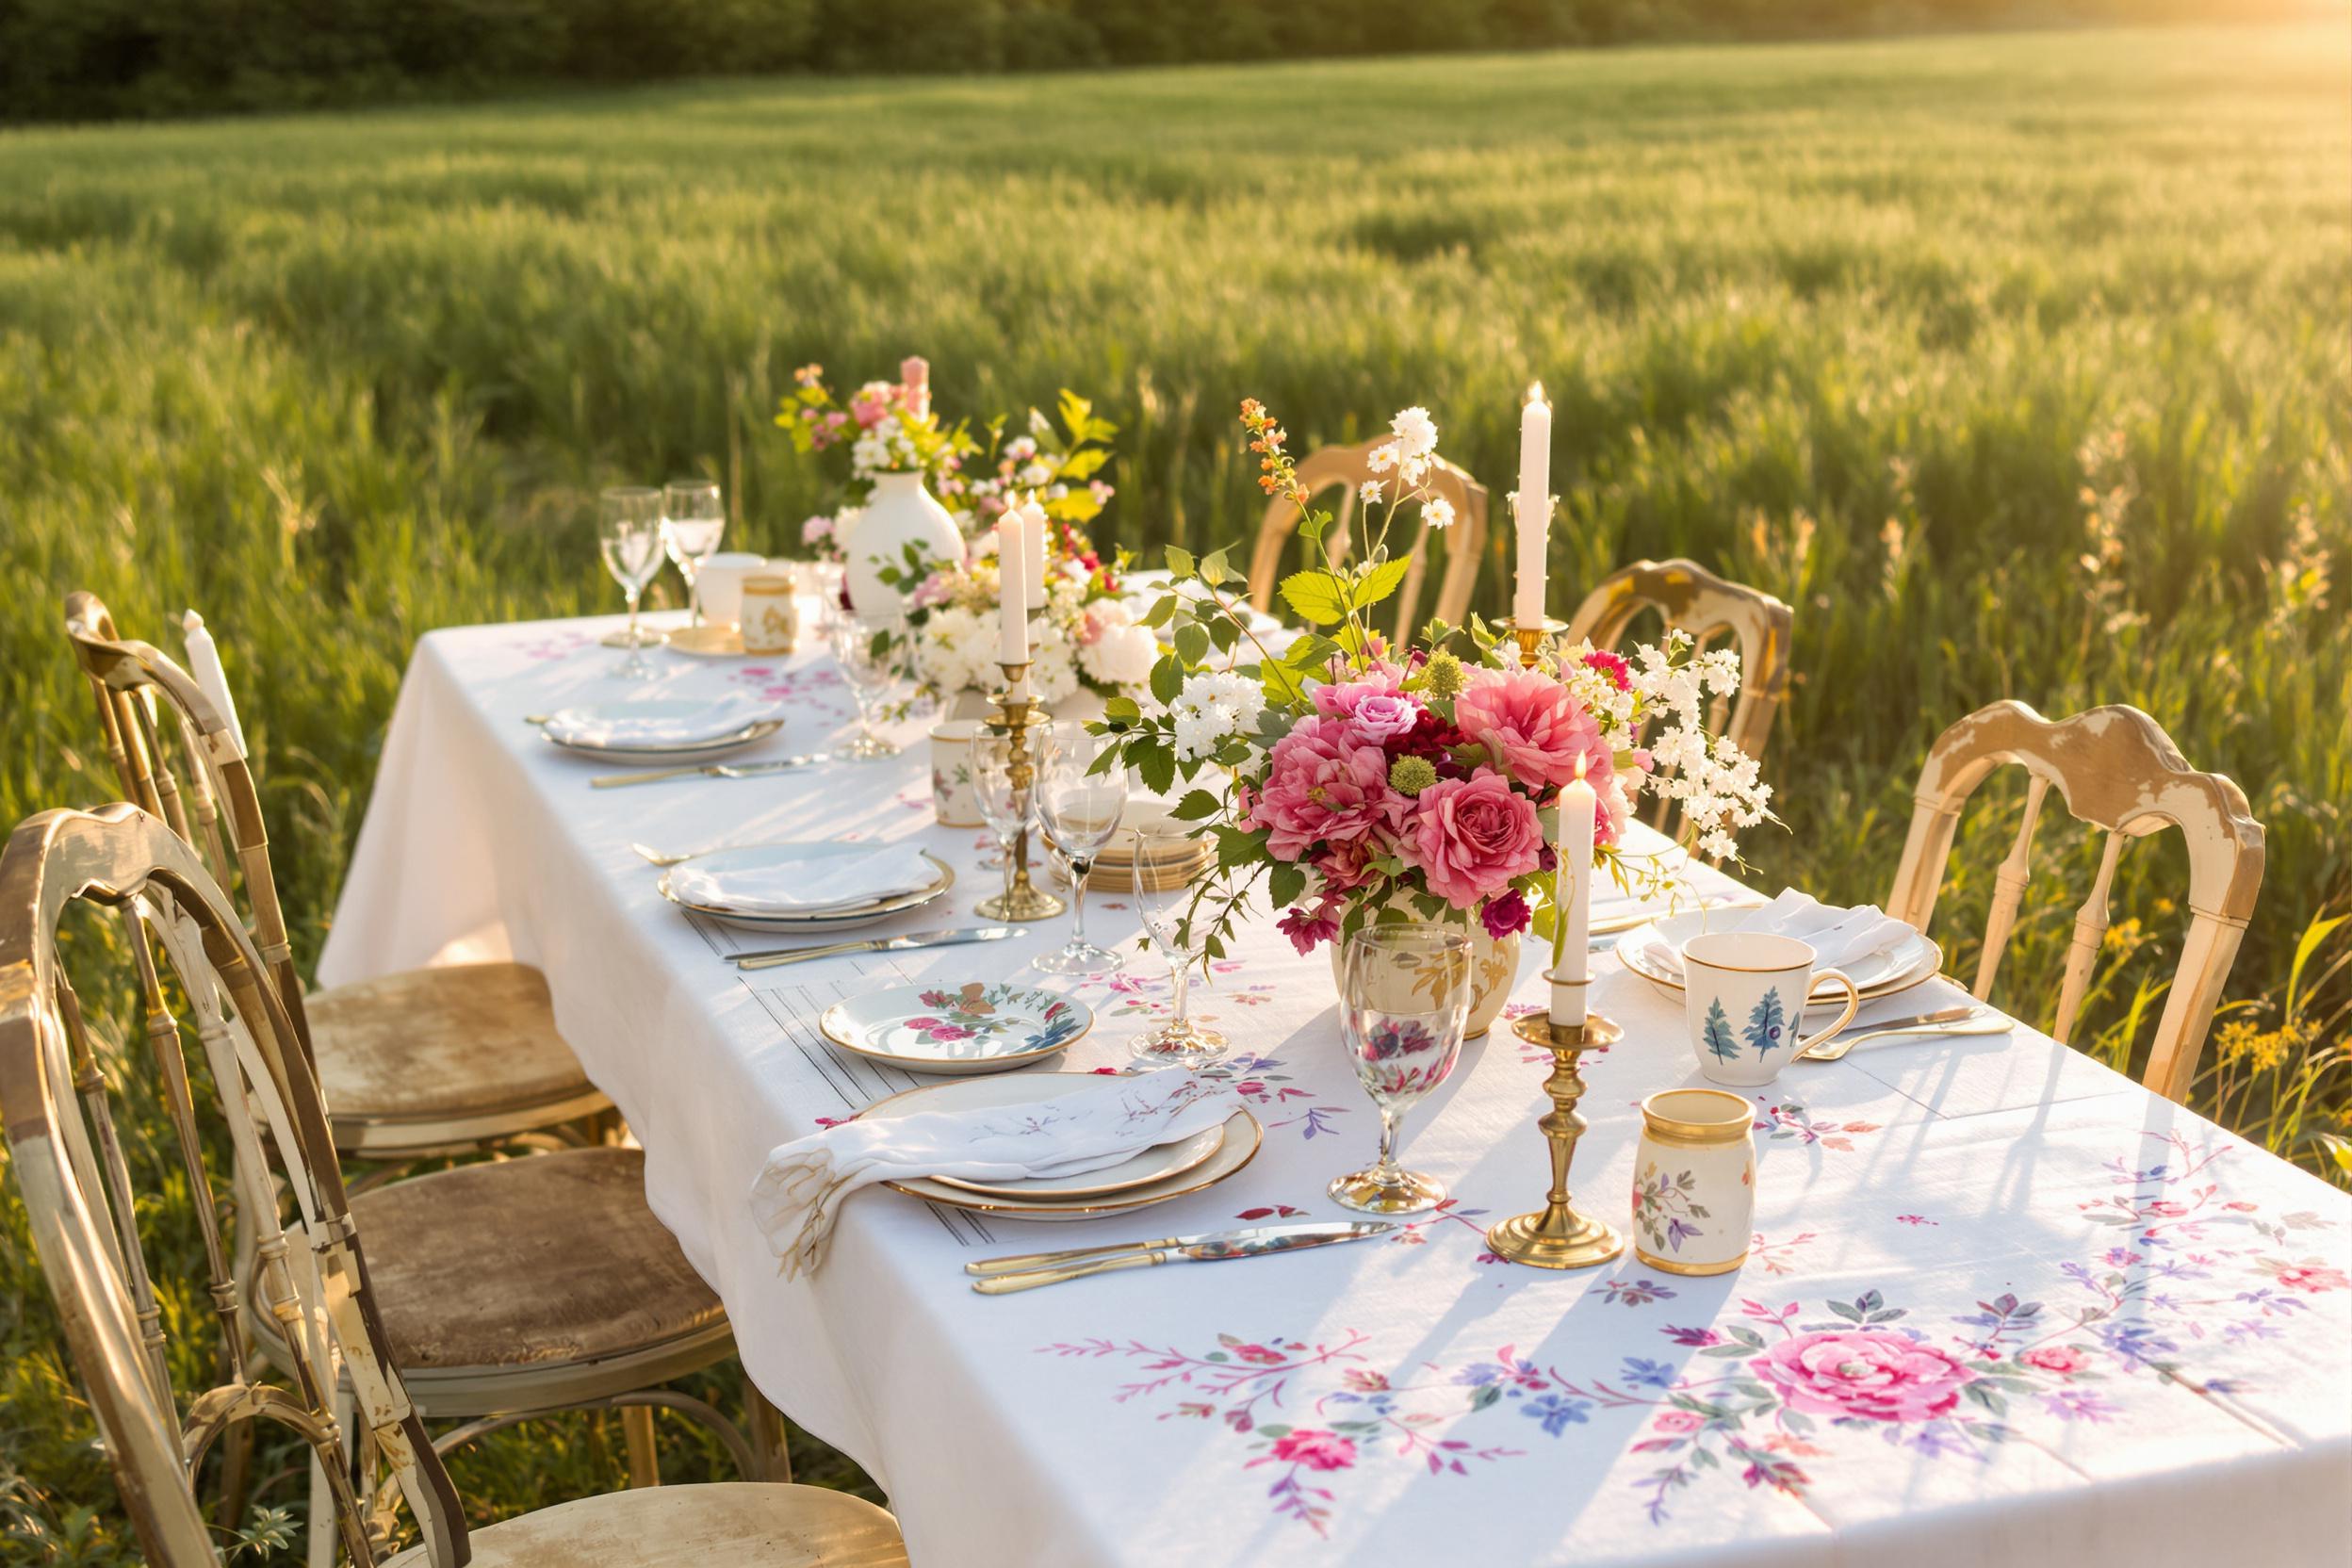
[1353, 781]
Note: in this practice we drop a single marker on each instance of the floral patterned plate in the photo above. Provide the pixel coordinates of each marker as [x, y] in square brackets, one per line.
[976, 1027]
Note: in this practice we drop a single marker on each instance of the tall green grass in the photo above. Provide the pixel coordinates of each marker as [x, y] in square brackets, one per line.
[2017, 366]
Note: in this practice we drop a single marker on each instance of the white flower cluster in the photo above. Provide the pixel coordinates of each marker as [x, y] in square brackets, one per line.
[1715, 782]
[1213, 705]
[885, 449]
[1122, 653]
[1410, 450]
[956, 652]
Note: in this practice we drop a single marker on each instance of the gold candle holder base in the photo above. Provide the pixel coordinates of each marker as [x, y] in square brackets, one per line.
[1021, 898]
[1531, 639]
[1558, 1235]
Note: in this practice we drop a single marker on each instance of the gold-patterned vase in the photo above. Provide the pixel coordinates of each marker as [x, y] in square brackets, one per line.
[1493, 965]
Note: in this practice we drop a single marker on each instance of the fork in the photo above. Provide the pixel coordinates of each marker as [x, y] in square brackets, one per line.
[1980, 1023]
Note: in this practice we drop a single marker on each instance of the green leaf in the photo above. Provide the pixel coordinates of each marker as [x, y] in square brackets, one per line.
[1380, 581]
[1197, 806]
[1238, 846]
[1225, 632]
[1213, 568]
[1318, 598]
[1167, 678]
[1121, 710]
[1192, 644]
[1180, 561]
[1285, 885]
[1156, 766]
[1163, 610]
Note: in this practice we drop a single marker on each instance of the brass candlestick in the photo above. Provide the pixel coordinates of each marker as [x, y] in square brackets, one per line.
[1531, 638]
[1020, 900]
[1556, 1235]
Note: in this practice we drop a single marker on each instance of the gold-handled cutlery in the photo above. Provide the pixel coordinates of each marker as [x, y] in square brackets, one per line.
[1028, 1270]
[1961, 1020]
[708, 770]
[772, 956]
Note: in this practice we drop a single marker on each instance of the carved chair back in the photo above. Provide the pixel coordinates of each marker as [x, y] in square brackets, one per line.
[1688, 596]
[1346, 470]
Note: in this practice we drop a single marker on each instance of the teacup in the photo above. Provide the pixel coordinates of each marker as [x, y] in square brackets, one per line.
[721, 583]
[1745, 994]
[952, 799]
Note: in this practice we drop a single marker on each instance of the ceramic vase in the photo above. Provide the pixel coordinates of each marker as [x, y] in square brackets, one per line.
[1694, 1181]
[1493, 965]
[900, 512]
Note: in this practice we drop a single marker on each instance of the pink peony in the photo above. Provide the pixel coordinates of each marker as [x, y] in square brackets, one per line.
[1321, 787]
[1309, 931]
[1533, 727]
[1340, 699]
[1315, 1448]
[1471, 836]
[1507, 916]
[1870, 1374]
[1382, 717]
[2064, 1360]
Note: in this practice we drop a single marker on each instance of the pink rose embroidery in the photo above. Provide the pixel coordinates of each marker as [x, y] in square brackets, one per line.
[1471, 836]
[1315, 1448]
[1258, 1355]
[1868, 1373]
[2310, 1278]
[1677, 1421]
[2065, 1360]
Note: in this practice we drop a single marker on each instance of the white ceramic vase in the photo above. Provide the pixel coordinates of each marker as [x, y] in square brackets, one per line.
[900, 512]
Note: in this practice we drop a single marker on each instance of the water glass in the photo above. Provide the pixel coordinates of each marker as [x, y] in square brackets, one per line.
[1404, 996]
[1003, 809]
[1078, 810]
[693, 522]
[867, 651]
[629, 535]
[1169, 919]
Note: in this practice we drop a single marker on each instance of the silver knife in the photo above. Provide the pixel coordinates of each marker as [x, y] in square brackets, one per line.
[770, 958]
[1003, 1276]
[708, 770]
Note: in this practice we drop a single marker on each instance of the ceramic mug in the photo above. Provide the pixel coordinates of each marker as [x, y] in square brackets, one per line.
[1694, 1181]
[770, 614]
[1744, 992]
[952, 799]
[721, 582]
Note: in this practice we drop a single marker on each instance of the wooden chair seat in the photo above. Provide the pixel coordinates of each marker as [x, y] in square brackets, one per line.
[742, 1526]
[528, 1284]
[440, 1059]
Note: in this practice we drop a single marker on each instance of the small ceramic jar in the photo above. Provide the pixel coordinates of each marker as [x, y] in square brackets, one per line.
[1694, 1181]
[770, 617]
[953, 798]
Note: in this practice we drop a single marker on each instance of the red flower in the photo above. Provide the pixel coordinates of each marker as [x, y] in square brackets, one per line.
[1315, 1448]
[2065, 1360]
[1612, 666]
[1507, 916]
[1258, 1355]
[2311, 1278]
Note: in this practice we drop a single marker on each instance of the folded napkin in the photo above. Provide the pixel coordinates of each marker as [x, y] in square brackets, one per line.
[800, 1191]
[1838, 937]
[713, 721]
[809, 885]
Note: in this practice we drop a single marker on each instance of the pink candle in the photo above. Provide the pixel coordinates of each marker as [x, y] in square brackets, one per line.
[1012, 601]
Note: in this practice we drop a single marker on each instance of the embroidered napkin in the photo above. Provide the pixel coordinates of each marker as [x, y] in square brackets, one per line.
[713, 721]
[1097, 1125]
[811, 885]
[1838, 937]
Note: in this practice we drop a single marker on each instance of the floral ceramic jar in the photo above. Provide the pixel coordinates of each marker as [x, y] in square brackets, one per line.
[1694, 1181]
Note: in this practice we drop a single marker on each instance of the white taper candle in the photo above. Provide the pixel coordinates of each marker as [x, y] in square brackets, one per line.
[1040, 526]
[1578, 808]
[1012, 596]
[1534, 515]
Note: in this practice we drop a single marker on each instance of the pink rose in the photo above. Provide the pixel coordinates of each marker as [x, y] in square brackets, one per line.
[2065, 1360]
[1471, 836]
[1315, 1448]
[1346, 867]
[816, 527]
[1322, 787]
[1532, 728]
[1678, 1421]
[1868, 1373]
[1382, 717]
[1340, 699]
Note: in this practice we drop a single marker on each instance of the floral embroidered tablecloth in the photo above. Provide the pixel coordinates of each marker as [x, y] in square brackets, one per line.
[2003, 1306]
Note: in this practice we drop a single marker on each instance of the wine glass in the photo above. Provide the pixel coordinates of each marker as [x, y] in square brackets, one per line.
[1079, 811]
[867, 650]
[1404, 995]
[1164, 896]
[1003, 808]
[693, 522]
[628, 532]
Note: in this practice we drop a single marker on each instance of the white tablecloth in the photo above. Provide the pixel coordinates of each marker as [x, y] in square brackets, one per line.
[2116, 1332]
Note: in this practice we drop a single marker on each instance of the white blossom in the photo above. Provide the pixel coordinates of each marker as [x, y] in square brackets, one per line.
[1213, 705]
[1416, 433]
[1370, 492]
[1438, 512]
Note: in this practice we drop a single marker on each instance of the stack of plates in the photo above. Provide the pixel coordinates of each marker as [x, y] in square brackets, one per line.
[754, 857]
[1912, 962]
[666, 730]
[1172, 1170]
[1118, 869]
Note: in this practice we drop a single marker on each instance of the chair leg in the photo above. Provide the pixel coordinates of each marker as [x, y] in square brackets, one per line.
[637, 1430]
[325, 1532]
[767, 1435]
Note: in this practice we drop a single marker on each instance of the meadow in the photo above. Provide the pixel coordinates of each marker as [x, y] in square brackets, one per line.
[2020, 365]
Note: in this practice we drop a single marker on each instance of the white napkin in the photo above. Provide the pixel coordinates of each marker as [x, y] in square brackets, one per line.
[714, 721]
[808, 886]
[800, 1191]
[1838, 937]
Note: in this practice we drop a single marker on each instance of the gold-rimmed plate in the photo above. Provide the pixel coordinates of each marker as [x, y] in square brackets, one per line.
[837, 919]
[708, 749]
[958, 1030]
[1916, 962]
[1238, 1141]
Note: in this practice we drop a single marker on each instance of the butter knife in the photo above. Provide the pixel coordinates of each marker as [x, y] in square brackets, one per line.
[1003, 1276]
[708, 770]
[771, 957]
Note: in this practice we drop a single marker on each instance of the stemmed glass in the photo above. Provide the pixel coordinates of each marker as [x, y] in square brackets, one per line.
[628, 532]
[867, 651]
[1079, 811]
[1404, 994]
[1003, 808]
[1166, 900]
[693, 522]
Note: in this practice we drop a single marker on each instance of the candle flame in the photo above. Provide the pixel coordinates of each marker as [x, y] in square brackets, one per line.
[1580, 757]
[1535, 391]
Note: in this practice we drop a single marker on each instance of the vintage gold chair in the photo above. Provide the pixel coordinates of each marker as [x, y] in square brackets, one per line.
[2116, 769]
[1346, 468]
[495, 1311]
[1687, 595]
[308, 1277]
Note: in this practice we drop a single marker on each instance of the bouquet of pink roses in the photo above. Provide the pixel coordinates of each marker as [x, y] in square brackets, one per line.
[1361, 782]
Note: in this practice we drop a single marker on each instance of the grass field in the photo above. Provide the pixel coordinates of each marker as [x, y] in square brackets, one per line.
[2018, 365]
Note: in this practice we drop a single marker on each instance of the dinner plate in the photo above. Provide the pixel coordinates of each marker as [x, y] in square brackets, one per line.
[679, 753]
[709, 641]
[844, 919]
[1153, 1165]
[1237, 1144]
[1880, 975]
[972, 1028]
